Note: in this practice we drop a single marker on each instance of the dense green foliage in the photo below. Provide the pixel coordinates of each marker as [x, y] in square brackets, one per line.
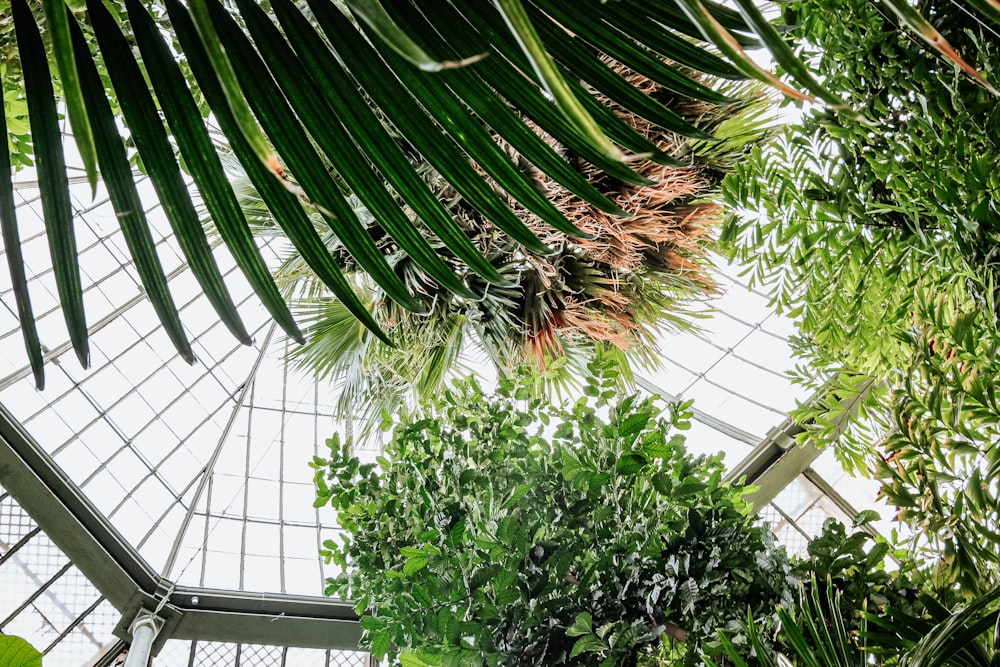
[882, 237]
[856, 608]
[508, 530]
[858, 216]
[942, 469]
[860, 568]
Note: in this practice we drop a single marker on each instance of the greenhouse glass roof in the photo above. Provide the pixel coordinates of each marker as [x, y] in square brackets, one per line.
[144, 483]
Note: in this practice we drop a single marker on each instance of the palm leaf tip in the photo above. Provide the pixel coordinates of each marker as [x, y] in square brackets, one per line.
[57, 210]
[382, 24]
[920, 25]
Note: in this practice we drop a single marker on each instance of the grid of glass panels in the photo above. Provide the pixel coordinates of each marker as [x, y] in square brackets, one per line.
[735, 369]
[202, 468]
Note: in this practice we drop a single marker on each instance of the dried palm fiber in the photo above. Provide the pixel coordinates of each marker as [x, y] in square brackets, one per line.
[663, 240]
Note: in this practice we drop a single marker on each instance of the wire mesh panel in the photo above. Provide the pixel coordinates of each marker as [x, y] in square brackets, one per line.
[44, 598]
[798, 513]
[177, 653]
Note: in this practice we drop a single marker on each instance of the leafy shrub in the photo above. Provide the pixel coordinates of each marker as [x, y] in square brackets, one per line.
[860, 568]
[507, 530]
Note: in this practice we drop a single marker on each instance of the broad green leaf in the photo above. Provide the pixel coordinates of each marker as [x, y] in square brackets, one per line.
[16, 652]
[866, 517]
[419, 659]
[689, 487]
[519, 491]
[507, 529]
[412, 552]
[52, 180]
[632, 425]
[421, 595]
[414, 564]
[452, 658]
[630, 464]
[380, 644]
[587, 644]
[371, 623]
[583, 625]
[663, 483]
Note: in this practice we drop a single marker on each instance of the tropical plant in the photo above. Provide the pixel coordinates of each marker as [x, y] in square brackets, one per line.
[881, 240]
[965, 636]
[850, 219]
[325, 80]
[815, 629]
[818, 636]
[866, 572]
[942, 464]
[635, 276]
[507, 530]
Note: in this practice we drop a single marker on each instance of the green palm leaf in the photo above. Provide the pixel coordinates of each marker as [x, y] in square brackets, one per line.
[118, 177]
[373, 99]
[153, 145]
[15, 262]
[957, 639]
[52, 179]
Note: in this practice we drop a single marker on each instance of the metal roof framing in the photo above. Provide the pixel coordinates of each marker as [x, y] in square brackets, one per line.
[132, 586]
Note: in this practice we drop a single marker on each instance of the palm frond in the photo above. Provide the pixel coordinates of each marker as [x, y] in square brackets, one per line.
[345, 96]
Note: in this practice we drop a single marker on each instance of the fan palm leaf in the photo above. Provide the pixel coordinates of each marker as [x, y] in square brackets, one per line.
[816, 634]
[446, 76]
[610, 292]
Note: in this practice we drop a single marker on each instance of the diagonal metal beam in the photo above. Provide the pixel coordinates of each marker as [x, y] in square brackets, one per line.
[121, 575]
[209, 468]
